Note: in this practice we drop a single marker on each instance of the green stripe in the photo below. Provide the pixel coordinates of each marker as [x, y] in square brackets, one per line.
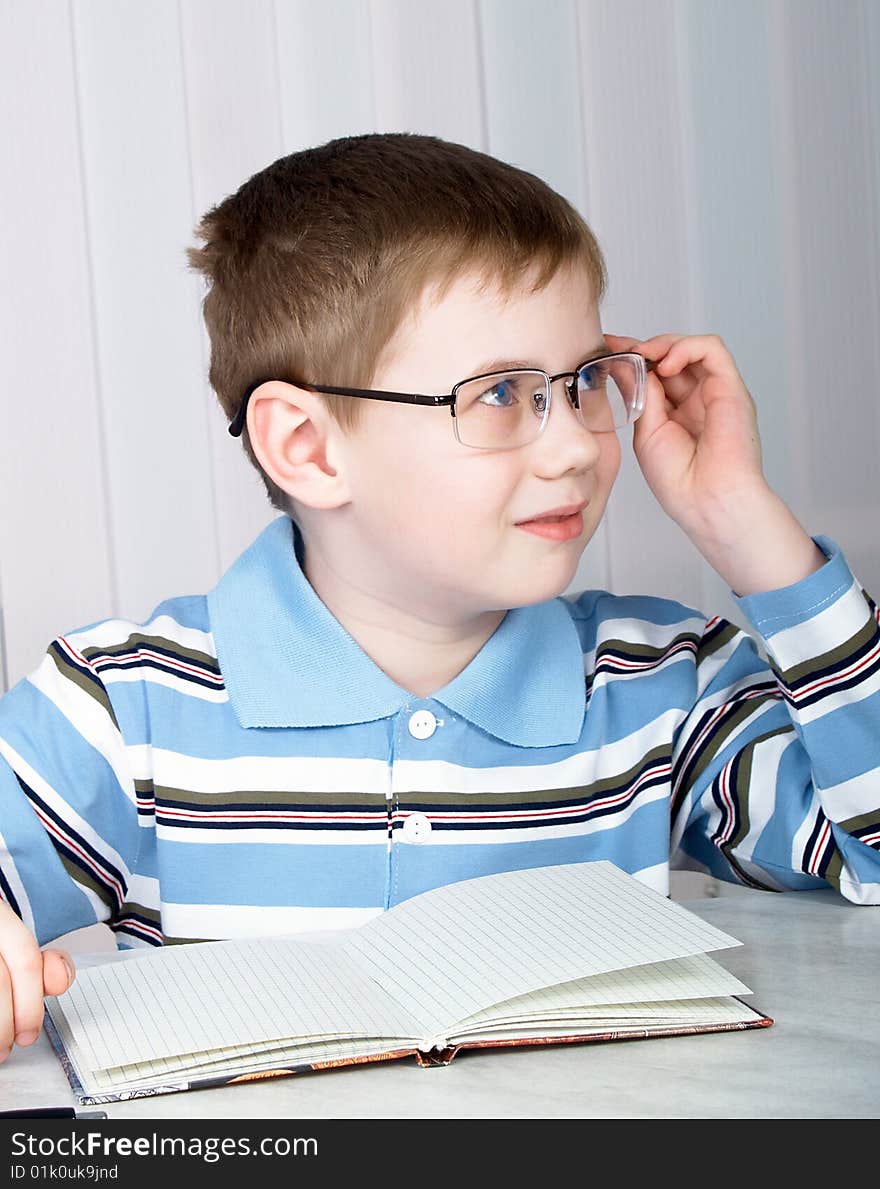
[138, 639]
[647, 652]
[720, 638]
[718, 740]
[92, 687]
[835, 657]
[861, 821]
[292, 799]
[88, 881]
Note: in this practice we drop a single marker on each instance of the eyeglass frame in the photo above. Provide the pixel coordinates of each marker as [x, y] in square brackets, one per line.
[236, 426]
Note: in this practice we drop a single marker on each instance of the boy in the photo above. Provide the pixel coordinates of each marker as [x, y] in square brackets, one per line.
[386, 691]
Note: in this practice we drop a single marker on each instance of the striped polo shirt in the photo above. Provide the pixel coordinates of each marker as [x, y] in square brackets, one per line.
[237, 765]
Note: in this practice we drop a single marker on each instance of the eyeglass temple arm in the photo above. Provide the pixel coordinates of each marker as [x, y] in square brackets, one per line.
[236, 426]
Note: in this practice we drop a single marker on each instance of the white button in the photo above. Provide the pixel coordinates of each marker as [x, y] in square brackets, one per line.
[416, 828]
[422, 724]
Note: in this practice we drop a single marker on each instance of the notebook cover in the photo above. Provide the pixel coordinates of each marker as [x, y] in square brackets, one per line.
[436, 1057]
[445, 1056]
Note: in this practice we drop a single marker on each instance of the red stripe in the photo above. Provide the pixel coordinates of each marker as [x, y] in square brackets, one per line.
[139, 927]
[614, 662]
[76, 656]
[260, 815]
[727, 798]
[837, 677]
[103, 877]
[818, 849]
[719, 713]
[110, 661]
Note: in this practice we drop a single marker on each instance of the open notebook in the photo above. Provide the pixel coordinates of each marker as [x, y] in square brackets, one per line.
[576, 952]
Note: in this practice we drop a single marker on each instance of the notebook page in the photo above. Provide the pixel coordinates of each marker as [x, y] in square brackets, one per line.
[680, 979]
[456, 950]
[645, 1016]
[208, 996]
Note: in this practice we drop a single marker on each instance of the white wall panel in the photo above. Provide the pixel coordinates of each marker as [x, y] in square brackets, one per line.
[233, 116]
[325, 71]
[832, 266]
[427, 69]
[534, 120]
[57, 564]
[638, 200]
[140, 214]
[729, 89]
[727, 156]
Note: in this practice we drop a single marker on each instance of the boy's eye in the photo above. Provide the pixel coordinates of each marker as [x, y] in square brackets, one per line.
[501, 395]
[592, 376]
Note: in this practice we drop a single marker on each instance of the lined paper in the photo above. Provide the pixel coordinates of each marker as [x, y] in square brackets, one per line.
[497, 955]
[196, 998]
[458, 949]
[692, 978]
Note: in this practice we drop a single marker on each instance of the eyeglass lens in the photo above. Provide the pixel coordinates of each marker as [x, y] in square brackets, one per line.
[509, 408]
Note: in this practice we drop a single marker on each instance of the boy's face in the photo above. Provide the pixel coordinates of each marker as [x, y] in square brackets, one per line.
[442, 524]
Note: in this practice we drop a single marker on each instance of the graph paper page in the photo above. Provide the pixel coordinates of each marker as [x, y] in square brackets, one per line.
[456, 950]
[198, 998]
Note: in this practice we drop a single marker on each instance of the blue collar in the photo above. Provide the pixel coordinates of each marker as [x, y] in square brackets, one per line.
[287, 662]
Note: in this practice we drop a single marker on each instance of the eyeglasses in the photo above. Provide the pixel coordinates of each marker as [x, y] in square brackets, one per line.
[504, 410]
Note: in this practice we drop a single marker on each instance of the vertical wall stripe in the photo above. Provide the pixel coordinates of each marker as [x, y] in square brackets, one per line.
[727, 156]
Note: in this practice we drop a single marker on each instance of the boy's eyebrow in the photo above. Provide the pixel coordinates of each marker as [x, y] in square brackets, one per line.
[501, 365]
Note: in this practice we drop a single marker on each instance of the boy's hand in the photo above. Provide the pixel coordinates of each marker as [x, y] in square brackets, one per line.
[697, 440]
[698, 446]
[27, 973]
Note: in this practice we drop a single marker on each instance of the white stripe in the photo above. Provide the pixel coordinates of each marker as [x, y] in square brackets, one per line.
[852, 798]
[687, 744]
[859, 893]
[766, 758]
[71, 821]
[642, 631]
[10, 871]
[656, 877]
[317, 774]
[277, 837]
[510, 832]
[584, 768]
[112, 633]
[144, 672]
[514, 832]
[654, 635]
[88, 718]
[836, 619]
[224, 921]
[329, 774]
[802, 835]
[144, 890]
[832, 700]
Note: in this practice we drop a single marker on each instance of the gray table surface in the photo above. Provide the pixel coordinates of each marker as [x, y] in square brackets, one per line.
[811, 959]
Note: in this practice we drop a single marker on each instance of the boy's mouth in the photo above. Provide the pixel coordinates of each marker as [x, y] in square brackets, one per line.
[559, 524]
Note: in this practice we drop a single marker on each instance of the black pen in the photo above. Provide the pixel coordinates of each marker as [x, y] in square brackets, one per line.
[52, 1112]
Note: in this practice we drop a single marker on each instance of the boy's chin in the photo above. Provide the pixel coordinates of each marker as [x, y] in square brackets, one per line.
[540, 588]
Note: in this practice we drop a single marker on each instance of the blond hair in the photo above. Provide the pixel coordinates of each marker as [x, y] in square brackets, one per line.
[314, 262]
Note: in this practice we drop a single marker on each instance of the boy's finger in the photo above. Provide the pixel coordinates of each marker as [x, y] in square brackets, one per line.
[24, 990]
[21, 981]
[619, 342]
[58, 972]
[7, 1015]
[654, 414]
[674, 353]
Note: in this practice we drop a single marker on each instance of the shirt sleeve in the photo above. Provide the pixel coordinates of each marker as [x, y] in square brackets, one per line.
[68, 808]
[776, 769]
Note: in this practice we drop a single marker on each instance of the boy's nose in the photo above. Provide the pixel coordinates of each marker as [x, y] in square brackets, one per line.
[565, 440]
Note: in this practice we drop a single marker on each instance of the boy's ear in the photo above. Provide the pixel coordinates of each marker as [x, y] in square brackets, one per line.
[293, 437]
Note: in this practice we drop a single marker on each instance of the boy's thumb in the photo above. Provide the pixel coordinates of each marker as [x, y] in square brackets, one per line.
[58, 972]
